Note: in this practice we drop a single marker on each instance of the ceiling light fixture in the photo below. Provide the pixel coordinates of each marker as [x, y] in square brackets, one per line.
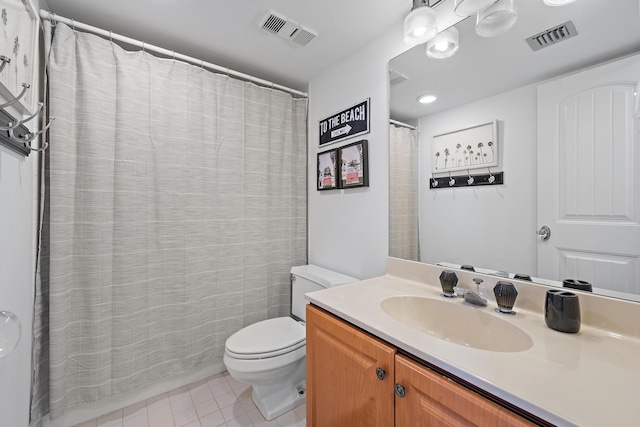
[427, 99]
[496, 19]
[420, 23]
[444, 44]
[470, 7]
[557, 2]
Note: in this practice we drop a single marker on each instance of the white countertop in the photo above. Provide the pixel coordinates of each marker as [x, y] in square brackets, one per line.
[591, 378]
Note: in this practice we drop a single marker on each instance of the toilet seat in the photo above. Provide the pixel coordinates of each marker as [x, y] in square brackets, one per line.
[268, 338]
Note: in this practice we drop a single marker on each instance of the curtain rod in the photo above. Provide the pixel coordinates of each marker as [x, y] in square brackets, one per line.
[397, 123]
[44, 14]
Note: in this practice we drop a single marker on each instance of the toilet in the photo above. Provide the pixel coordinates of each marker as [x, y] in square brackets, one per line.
[270, 354]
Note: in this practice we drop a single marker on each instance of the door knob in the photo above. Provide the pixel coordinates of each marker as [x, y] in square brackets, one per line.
[544, 233]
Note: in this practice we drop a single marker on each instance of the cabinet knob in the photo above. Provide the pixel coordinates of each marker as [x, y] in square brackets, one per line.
[380, 373]
[399, 390]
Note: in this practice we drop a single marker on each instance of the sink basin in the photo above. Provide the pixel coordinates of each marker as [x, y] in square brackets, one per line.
[457, 322]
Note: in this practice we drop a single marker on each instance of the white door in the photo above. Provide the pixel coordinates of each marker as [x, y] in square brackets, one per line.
[589, 177]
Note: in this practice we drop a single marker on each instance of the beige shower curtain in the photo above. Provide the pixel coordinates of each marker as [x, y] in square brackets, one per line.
[403, 193]
[175, 205]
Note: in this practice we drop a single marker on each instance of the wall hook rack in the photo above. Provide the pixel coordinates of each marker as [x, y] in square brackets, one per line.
[16, 136]
[13, 133]
[11, 126]
[467, 180]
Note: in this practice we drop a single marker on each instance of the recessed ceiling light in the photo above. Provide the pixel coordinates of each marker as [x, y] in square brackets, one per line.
[427, 99]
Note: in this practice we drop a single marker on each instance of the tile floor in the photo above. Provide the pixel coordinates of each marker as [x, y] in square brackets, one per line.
[217, 401]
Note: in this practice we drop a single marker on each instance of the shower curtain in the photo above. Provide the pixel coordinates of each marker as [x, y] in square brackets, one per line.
[403, 193]
[175, 206]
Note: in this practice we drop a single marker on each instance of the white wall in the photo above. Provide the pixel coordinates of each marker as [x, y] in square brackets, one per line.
[349, 229]
[491, 226]
[18, 198]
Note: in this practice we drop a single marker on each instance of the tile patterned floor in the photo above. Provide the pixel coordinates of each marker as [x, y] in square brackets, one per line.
[218, 401]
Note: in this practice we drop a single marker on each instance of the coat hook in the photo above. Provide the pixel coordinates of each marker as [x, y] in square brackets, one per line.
[452, 181]
[434, 181]
[5, 60]
[470, 181]
[492, 178]
[17, 98]
[17, 123]
[28, 137]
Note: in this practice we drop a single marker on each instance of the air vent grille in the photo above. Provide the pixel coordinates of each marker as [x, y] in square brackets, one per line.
[302, 37]
[552, 36]
[286, 29]
[273, 23]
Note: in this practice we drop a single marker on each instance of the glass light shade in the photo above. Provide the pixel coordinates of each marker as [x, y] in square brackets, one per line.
[496, 19]
[470, 7]
[444, 44]
[10, 330]
[420, 25]
[557, 2]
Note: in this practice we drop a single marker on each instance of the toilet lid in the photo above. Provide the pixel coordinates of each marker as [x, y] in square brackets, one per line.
[268, 337]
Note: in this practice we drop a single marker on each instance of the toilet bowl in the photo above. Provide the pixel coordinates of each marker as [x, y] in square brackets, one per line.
[270, 354]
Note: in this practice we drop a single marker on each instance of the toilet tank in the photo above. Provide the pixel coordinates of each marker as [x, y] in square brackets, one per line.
[309, 278]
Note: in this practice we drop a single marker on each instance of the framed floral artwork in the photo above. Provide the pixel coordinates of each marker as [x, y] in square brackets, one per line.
[18, 36]
[470, 148]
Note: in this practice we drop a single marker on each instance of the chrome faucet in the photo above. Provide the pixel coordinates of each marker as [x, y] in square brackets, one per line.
[470, 296]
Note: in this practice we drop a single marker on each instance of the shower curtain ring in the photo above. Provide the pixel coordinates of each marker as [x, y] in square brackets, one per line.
[73, 25]
[110, 36]
[173, 52]
[143, 51]
[202, 65]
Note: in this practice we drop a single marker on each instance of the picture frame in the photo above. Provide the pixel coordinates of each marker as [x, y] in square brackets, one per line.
[470, 148]
[353, 164]
[327, 171]
[348, 123]
[19, 36]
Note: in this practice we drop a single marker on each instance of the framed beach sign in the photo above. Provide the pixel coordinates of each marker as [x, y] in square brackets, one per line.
[18, 36]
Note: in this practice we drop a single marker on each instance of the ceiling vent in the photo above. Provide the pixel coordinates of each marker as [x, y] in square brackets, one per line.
[286, 29]
[552, 36]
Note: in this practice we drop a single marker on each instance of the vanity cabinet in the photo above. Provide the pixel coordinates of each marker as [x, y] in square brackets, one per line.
[353, 379]
[344, 385]
[434, 400]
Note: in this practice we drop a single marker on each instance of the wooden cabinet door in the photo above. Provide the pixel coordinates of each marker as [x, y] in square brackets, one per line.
[343, 388]
[433, 400]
